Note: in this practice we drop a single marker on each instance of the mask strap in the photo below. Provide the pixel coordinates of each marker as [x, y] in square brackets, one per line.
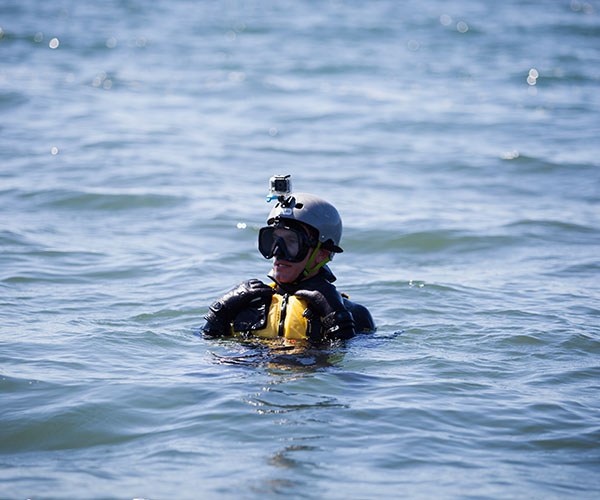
[308, 270]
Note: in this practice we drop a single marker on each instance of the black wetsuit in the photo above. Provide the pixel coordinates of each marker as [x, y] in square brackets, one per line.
[353, 318]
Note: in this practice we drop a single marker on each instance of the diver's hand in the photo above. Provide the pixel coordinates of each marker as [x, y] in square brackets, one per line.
[335, 318]
[232, 303]
[224, 310]
[317, 302]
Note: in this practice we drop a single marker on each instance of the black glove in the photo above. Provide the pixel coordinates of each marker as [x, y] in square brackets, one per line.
[223, 311]
[335, 318]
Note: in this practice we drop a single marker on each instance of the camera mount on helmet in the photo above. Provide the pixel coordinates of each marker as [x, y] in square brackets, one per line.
[280, 187]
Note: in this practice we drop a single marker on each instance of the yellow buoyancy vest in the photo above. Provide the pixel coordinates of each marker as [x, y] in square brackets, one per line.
[284, 319]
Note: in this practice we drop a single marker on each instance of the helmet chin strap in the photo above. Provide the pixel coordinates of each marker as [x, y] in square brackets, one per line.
[307, 269]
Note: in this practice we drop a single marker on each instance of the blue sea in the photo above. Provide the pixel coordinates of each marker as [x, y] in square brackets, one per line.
[459, 140]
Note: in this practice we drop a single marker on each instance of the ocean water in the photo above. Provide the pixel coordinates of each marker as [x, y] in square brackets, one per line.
[459, 141]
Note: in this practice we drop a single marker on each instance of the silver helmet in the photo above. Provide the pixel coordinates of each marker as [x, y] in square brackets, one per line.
[314, 212]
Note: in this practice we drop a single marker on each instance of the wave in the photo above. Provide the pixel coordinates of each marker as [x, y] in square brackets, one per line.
[11, 100]
[10, 238]
[545, 165]
[89, 200]
[555, 231]
[427, 241]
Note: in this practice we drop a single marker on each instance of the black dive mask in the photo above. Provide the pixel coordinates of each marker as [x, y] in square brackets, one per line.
[284, 242]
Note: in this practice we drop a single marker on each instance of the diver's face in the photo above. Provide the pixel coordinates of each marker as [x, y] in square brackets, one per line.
[285, 271]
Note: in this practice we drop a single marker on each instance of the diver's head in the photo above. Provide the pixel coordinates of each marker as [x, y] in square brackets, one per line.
[302, 234]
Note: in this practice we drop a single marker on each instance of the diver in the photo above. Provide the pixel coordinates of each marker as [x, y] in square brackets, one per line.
[302, 236]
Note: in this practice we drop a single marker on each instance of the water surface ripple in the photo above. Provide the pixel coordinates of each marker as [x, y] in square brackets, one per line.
[459, 141]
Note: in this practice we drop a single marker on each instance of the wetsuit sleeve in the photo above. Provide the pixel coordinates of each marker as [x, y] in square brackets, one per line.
[363, 321]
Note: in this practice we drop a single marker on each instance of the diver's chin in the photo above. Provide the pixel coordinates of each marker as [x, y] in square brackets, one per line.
[284, 271]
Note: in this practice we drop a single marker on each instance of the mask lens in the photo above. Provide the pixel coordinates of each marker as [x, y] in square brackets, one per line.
[285, 243]
[290, 239]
